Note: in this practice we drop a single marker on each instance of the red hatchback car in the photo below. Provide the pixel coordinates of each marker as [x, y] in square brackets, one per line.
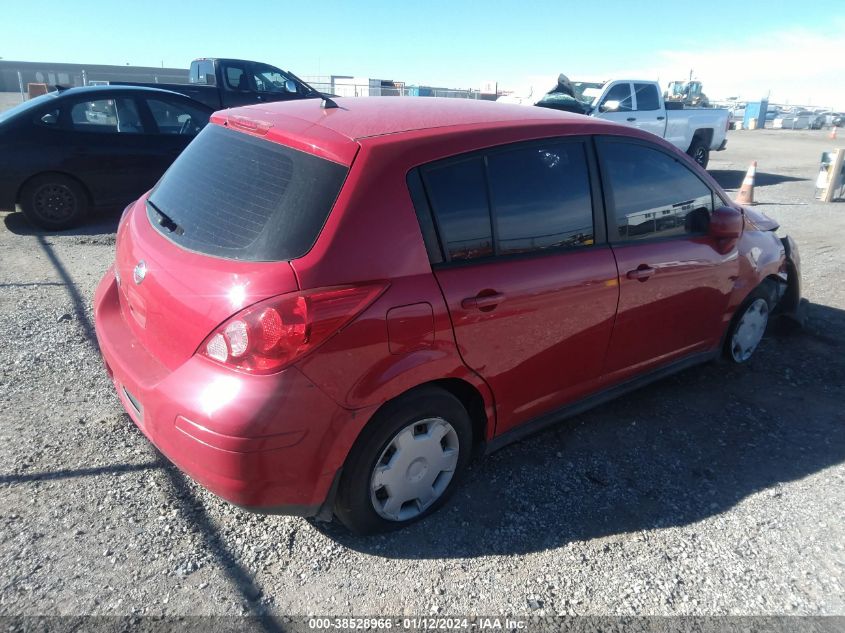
[327, 310]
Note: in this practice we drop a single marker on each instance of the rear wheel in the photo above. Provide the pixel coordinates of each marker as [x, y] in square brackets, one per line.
[54, 202]
[749, 325]
[700, 152]
[406, 463]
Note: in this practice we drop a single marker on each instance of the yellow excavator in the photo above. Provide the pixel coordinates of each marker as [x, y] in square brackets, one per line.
[687, 92]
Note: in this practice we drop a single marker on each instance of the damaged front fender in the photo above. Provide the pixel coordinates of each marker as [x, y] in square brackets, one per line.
[791, 305]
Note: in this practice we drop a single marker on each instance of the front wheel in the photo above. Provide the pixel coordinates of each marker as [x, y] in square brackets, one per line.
[406, 463]
[699, 152]
[749, 325]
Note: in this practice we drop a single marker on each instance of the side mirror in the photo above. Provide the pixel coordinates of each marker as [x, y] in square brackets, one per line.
[726, 223]
[290, 86]
[609, 106]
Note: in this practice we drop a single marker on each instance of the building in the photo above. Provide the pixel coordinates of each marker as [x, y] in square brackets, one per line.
[16, 76]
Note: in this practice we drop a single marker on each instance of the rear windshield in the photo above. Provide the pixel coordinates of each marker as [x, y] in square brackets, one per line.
[236, 196]
[31, 104]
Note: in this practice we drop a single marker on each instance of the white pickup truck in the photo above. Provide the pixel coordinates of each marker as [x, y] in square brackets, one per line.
[637, 103]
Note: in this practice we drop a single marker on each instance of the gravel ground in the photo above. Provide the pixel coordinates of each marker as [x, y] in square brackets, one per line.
[718, 491]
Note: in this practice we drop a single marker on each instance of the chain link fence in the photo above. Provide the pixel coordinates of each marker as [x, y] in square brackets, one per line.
[356, 87]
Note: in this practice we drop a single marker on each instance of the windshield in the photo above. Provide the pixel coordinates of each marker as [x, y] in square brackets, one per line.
[27, 106]
[576, 96]
[236, 196]
[584, 90]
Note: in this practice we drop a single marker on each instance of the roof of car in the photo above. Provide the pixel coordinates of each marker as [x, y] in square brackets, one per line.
[357, 118]
[118, 88]
[337, 133]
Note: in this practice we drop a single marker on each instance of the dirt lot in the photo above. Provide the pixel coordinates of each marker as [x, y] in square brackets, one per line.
[718, 491]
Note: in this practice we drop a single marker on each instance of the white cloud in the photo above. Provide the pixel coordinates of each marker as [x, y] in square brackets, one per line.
[798, 66]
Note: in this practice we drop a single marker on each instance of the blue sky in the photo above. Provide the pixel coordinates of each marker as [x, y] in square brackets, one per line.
[733, 47]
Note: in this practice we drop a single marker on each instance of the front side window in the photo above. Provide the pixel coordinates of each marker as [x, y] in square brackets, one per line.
[620, 94]
[174, 117]
[653, 194]
[540, 197]
[647, 97]
[458, 195]
[106, 116]
[269, 79]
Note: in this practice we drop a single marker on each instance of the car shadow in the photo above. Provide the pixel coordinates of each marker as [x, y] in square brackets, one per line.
[100, 222]
[685, 449]
[732, 178]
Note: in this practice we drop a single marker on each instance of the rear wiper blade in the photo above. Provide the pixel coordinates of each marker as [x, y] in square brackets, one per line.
[165, 221]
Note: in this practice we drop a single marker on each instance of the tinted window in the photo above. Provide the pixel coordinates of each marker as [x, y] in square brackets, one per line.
[236, 196]
[206, 73]
[540, 197]
[106, 115]
[174, 117]
[653, 194]
[622, 94]
[647, 97]
[458, 195]
[237, 78]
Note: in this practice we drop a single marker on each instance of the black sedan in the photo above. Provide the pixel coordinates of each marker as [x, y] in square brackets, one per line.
[67, 151]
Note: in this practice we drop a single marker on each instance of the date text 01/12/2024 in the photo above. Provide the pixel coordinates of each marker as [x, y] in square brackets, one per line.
[417, 623]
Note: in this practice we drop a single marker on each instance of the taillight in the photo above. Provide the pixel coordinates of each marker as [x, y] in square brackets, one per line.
[268, 336]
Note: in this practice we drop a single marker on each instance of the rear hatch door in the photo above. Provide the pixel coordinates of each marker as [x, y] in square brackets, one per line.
[217, 234]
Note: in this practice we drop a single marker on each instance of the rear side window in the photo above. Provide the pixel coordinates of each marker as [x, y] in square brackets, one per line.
[653, 194]
[541, 198]
[236, 196]
[458, 194]
[106, 115]
[515, 199]
[647, 97]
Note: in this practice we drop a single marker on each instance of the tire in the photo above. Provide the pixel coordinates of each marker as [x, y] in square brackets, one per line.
[699, 152]
[54, 202]
[368, 501]
[749, 324]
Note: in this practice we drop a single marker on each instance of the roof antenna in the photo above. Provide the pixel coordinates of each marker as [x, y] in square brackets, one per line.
[327, 103]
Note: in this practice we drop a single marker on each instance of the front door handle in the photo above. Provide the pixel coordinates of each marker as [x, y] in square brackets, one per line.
[660, 118]
[631, 118]
[485, 303]
[641, 272]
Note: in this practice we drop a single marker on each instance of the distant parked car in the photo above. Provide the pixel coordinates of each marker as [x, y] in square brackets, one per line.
[66, 151]
[227, 83]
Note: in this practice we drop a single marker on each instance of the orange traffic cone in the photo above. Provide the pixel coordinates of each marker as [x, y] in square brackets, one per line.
[833, 133]
[746, 192]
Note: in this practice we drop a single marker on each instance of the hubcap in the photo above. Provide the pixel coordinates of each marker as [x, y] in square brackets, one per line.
[749, 331]
[54, 201]
[414, 469]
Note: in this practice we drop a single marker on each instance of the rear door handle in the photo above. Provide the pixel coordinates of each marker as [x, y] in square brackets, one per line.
[631, 118]
[641, 273]
[483, 302]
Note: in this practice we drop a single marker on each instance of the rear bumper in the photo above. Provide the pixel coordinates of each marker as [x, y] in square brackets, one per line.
[260, 442]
